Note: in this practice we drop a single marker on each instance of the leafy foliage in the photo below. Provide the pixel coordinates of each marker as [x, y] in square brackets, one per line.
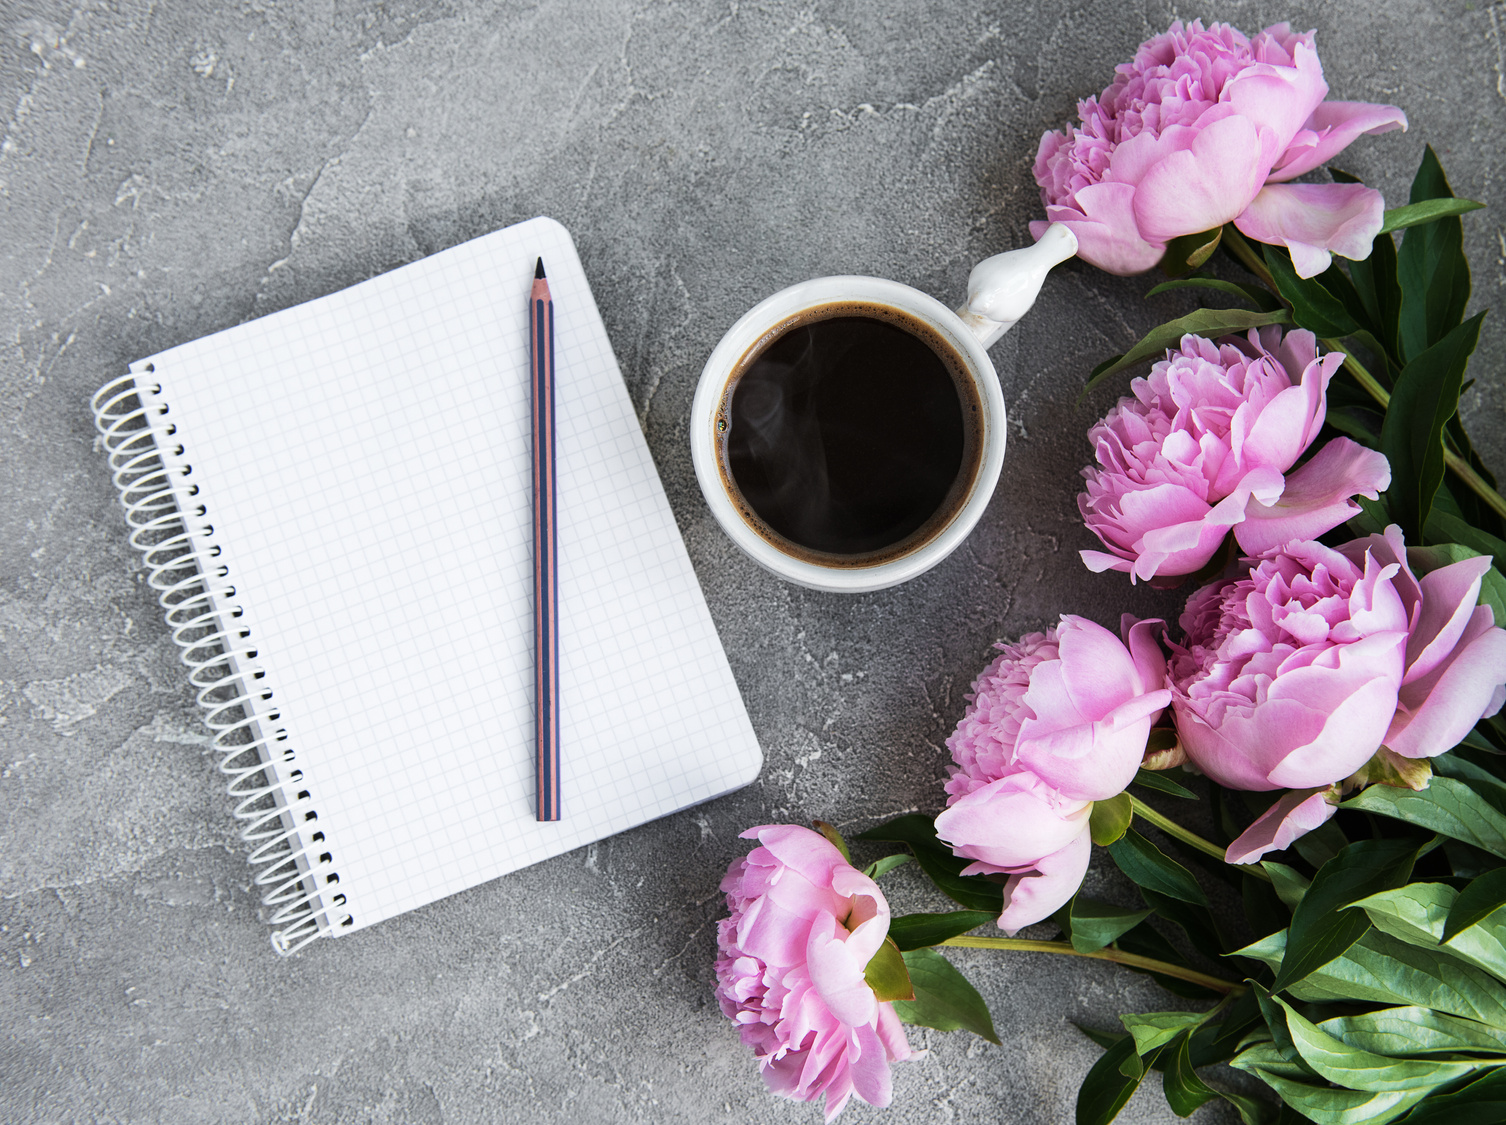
[1376, 988]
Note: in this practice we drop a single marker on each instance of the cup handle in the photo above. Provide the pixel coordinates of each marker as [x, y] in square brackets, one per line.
[1001, 289]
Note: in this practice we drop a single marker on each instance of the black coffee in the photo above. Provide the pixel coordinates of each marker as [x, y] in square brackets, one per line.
[850, 433]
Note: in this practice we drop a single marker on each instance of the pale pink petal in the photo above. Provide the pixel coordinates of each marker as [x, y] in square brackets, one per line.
[1311, 220]
[871, 1079]
[1203, 187]
[1295, 814]
[1280, 98]
[1150, 661]
[1097, 669]
[1317, 497]
[892, 1032]
[1458, 693]
[837, 975]
[1332, 127]
[1011, 821]
[1103, 220]
[1098, 562]
[1352, 732]
[1449, 595]
[1030, 897]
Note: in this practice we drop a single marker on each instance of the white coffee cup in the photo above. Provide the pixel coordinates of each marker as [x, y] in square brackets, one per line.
[1001, 289]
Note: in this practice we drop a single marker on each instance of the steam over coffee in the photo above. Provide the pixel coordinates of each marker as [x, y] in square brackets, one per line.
[850, 434]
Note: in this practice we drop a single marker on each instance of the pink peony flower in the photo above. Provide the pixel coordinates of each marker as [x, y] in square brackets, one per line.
[1290, 673]
[1202, 128]
[1456, 654]
[1055, 722]
[1204, 446]
[804, 924]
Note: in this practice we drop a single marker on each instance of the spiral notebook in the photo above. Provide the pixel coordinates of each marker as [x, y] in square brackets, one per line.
[334, 504]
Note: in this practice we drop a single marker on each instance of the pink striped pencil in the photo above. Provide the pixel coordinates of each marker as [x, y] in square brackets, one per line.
[546, 664]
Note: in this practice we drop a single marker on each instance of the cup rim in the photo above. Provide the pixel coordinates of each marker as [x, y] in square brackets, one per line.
[746, 331]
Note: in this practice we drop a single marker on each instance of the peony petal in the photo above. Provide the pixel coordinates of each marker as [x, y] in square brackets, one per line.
[837, 975]
[869, 1066]
[1010, 822]
[1097, 670]
[1150, 661]
[1279, 99]
[1316, 498]
[1333, 126]
[1352, 733]
[1458, 693]
[1313, 219]
[1295, 814]
[1202, 187]
[1032, 896]
[1098, 562]
[1448, 602]
[1102, 218]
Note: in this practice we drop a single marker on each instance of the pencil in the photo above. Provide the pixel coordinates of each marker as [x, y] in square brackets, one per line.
[546, 664]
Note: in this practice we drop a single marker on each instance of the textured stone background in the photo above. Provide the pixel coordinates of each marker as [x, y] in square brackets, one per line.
[171, 169]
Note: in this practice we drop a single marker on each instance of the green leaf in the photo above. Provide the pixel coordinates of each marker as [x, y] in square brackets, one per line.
[1188, 251]
[1446, 527]
[884, 866]
[943, 997]
[942, 867]
[1482, 1102]
[1425, 397]
[1110, 819]
[1257, 296]
[833, 837]
[1148, 942]
[1414, 913]
[1185, 1091]
[1313, 306]
[1289, 883]
[1329, 1105]
[1379, 291]
[1321, 844]
[1150, 867]
[1447, 806]
[1423, 560]
[1477, 902]
[917, 931]
[1195, 920]
[1203, 322]
[1106, 1087]
[1157, 780]
[1156, 1029]
[1380, 969]
[886, 973]
[1269, 949]
[1414, 214]
[1095, 924]
[1431, 268]
[1414, 1030]
[1357, 1069]
[1321, 929]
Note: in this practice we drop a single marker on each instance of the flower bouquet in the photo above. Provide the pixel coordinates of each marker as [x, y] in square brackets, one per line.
[1324, 709]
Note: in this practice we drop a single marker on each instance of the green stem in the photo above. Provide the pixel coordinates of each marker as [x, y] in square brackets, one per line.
[1118, 956]
[1191, 839]
[1462, 468]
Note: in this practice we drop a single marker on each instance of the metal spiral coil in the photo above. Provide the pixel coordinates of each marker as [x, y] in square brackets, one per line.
[171, 529]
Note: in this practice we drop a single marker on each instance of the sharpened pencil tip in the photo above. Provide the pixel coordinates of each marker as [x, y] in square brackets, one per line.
[538, 270]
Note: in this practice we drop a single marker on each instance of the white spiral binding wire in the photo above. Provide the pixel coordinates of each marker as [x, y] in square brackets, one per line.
[172, 531]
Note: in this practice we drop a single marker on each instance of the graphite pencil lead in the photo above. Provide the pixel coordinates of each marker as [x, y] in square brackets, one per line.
[538, 270]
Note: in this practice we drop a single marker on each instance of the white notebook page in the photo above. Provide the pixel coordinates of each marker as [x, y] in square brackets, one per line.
[364, 460]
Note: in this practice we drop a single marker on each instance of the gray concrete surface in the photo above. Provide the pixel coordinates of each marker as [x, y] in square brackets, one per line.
[169, 169]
